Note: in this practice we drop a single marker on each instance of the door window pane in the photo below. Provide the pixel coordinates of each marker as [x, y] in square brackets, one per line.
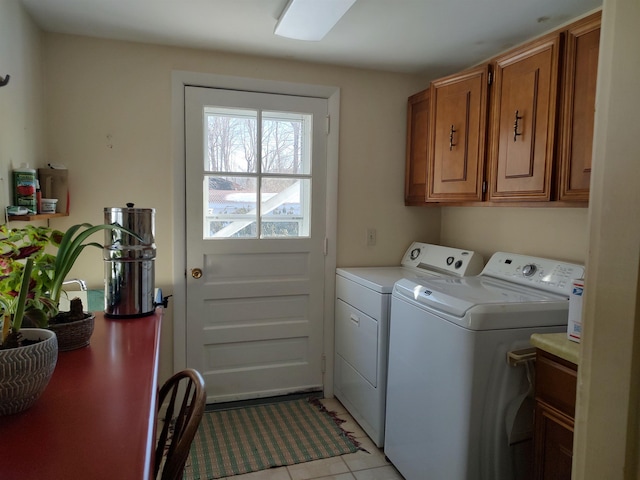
[231, 207]
[230, 140]
[284, 207]
[286, 143]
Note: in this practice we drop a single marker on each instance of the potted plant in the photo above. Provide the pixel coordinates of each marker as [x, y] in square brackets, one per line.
[54, 255]
[74, 327]
[27, 356]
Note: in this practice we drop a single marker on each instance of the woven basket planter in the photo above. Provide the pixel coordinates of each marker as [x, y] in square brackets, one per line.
[25, 371]
[74, 335]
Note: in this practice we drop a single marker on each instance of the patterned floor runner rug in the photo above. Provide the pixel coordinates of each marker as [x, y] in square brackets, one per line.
[242, 440]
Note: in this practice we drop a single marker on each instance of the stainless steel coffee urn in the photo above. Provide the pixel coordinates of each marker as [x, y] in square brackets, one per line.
[129, 263]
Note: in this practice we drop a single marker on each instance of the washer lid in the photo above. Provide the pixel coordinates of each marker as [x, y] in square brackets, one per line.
[456, 296]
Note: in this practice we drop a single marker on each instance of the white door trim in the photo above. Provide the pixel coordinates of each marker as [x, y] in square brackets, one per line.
[178, 81]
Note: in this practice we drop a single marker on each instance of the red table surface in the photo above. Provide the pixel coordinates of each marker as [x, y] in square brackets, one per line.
[96, 418]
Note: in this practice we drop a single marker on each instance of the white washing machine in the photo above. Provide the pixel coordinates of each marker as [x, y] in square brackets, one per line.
[455, 409]
[362, 325]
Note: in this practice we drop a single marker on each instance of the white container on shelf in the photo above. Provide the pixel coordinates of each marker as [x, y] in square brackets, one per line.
[49, 205]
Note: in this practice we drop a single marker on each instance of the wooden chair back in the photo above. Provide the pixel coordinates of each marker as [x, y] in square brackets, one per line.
[184, 397]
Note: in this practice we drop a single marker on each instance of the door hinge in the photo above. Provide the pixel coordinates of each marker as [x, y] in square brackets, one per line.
[328, 126]
[484, 187]
[326, 246]
[323, 363]
[490, 78]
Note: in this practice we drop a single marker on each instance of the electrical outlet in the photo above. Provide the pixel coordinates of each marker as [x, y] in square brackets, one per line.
[371, 237]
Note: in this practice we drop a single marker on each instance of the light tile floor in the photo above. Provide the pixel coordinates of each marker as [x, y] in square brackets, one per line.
[353, 466]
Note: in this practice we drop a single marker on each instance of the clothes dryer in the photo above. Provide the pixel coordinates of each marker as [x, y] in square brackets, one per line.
[455, 407]
[363, 298]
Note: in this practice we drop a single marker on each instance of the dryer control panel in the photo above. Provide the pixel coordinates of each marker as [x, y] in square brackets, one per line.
[546, 274]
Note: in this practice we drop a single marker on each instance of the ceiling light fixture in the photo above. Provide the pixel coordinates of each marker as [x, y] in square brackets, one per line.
[311, 19]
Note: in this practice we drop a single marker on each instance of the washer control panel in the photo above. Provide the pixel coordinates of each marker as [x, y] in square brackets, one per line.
[426, 256]
[551, 275]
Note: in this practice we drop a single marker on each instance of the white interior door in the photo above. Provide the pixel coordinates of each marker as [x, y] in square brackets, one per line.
[255, 227]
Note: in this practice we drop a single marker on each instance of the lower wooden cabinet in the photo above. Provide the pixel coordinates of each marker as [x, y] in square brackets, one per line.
[556, 381]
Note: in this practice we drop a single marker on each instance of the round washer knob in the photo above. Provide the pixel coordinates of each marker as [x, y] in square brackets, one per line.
[450, 260]
[529, 270]
[458, 264]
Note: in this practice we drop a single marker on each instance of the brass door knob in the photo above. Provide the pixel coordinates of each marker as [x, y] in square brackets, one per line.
[196, 273]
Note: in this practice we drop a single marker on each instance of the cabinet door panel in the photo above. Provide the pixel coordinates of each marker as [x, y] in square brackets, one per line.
[417, 142]
[520, 90]
[457, 150]
[554, 444]
[578, 108]
[451, 163]
[524, 122]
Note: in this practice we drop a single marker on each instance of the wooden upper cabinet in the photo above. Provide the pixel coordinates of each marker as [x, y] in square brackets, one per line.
[457, 141]
[417, 140]
[523, 121]
[578, 108]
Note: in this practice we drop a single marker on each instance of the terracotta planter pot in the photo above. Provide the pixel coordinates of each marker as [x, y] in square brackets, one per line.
[26, 371]
[74, 335]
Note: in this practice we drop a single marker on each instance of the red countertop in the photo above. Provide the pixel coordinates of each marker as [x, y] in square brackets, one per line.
[96, 419]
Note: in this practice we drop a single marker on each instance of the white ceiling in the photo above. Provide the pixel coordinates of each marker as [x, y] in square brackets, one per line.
[434, 37]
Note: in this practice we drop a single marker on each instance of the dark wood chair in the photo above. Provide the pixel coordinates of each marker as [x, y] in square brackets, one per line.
[184, 398]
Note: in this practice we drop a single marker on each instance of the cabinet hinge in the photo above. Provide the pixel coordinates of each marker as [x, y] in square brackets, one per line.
[484, 187]
[328, 127]
[490, 78]
[326, 246]
[323, 363]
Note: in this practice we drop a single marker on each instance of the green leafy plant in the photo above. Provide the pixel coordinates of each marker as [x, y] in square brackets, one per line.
[14, 311]
[25, 277]
[34, 262]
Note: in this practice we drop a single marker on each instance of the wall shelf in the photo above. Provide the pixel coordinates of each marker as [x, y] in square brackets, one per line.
[38, 216]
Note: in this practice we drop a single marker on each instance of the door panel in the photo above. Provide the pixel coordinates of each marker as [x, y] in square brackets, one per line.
[458, 119]
[578, 109]
[523, 130]
[256, 231]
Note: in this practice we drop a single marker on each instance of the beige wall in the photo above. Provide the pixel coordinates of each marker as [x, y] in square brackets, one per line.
[109, 121]
[559, 233]
[21, 106]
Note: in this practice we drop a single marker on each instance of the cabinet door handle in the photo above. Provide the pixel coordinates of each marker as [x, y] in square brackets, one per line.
[515, 126]
[451, 132]
[355, 319]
